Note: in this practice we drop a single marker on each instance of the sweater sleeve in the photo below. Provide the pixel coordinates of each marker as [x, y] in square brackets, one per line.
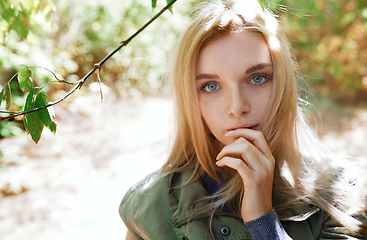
[267, 227]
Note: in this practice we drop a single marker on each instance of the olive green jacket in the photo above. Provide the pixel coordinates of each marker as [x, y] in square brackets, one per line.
[159, 210]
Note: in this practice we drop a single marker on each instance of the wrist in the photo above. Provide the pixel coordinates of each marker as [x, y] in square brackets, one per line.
[255, 205]
[255, 213]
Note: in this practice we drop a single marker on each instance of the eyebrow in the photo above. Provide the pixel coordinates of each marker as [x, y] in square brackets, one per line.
[248, 71]
[206, 76]
[258, 67]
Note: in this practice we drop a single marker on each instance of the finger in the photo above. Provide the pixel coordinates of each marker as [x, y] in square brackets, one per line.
[237, 164]
[241, 146]
[246, 152]
[254, 136]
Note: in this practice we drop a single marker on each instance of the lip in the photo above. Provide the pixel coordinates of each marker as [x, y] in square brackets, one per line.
[245, 126]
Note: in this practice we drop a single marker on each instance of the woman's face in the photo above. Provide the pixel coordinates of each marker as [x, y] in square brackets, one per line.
[234, 81]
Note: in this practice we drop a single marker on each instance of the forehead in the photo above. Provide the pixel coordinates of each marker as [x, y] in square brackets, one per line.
[240, 50]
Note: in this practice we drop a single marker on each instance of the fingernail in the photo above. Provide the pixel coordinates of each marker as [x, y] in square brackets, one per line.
[228, 133]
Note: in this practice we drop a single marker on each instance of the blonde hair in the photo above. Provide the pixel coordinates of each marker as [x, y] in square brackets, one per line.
[295, 146]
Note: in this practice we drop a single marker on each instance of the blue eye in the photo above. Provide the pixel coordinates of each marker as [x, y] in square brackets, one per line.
[259, 79]
[209, 87]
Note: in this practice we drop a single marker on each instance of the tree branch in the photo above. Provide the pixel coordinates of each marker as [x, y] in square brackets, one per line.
[96, 67]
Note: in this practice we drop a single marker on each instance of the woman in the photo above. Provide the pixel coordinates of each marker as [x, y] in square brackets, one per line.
[244, 165]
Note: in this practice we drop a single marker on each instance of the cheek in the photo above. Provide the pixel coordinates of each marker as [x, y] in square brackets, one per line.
[208, 113]
[265, 102]
[205, 114]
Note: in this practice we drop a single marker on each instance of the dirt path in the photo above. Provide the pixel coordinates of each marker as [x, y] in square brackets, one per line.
[75, 180]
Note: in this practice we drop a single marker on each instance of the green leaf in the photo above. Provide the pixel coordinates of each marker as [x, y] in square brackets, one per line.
[52, 127]
[33, 122]
[35, 126]
[27, 106]
[7, 96]
[170, 8]
[25, 80]
[154, 4]
[45, 115]
[20, 27]
[2, 6]
[8, 15]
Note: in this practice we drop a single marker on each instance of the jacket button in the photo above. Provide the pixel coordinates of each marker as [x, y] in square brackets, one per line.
[185, 238]
[225, 231]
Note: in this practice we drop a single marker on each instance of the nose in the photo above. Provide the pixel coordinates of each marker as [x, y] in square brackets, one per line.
[237, 103]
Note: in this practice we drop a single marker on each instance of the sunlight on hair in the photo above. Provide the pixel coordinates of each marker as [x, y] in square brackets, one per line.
[287, 174]
[274, 43]
[250, 9]
[228, 17]
[271, 24]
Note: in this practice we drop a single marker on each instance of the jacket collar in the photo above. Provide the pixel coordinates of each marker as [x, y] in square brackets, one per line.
[184, 202]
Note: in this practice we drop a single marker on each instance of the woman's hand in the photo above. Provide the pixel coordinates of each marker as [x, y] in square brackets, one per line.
[251, 157]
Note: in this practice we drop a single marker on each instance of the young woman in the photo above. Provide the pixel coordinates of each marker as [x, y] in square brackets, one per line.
[244, 164]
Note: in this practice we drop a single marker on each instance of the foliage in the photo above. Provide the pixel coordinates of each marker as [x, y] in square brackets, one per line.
[19, 16]
[34, 121]
[101, 40]
[20, 24]
[330, 41]
[329, 38]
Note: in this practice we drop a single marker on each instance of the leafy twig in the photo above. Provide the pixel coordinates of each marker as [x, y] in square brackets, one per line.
[96, 67]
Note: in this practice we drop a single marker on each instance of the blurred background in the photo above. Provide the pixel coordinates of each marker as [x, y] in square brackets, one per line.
[70, 185]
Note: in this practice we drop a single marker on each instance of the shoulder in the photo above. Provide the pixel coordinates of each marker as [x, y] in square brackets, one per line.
[158, 205]
[158, 191]
[146, 203]
[146, 186]
[145, 193]
[154, 188]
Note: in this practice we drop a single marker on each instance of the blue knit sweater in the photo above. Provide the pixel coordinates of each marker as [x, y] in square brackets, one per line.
[267, 227]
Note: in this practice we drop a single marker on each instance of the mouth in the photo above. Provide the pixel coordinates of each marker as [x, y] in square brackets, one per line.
[252, 127]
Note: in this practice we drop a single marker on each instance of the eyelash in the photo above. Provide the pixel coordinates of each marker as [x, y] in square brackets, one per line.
[202, 88]
[267, 78]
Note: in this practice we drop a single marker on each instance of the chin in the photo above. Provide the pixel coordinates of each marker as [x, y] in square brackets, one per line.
[224, 142]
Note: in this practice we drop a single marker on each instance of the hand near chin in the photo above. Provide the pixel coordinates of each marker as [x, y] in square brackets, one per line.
[251, 157]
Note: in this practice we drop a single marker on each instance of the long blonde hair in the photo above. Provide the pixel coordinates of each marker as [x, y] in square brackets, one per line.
[311, 175]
